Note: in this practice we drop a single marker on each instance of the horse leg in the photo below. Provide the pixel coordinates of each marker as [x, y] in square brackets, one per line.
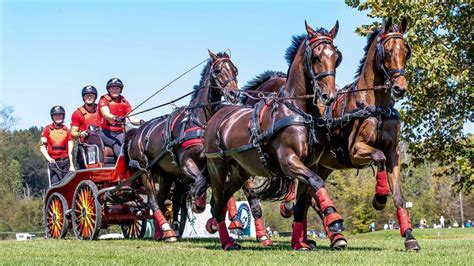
[221, 194]
[299, 236]
[286, 206]
[294, 167]
[262, 237]
[406, 230]
[337, 240]
[363, 152]
[177, 201]
[235, 225]
[162, 228]
[192, 170]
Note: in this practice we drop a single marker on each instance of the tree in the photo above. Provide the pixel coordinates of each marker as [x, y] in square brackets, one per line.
[441, 96]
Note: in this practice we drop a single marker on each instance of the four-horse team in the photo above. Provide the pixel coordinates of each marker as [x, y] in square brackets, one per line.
[279, 137]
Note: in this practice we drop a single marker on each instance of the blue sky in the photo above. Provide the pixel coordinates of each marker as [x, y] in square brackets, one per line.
[51, 49]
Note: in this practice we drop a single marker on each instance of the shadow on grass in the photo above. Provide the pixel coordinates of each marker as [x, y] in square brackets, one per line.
[279, 245]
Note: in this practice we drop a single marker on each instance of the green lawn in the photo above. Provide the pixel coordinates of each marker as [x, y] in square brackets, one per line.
[451, 246]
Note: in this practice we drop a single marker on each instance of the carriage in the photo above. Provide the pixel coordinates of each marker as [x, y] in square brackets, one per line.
[105, 193]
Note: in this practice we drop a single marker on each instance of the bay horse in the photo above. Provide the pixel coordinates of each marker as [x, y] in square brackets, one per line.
[367, 127]
[278, 138]
[170, 148]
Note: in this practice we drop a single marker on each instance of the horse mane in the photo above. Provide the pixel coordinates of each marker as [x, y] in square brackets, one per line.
[296, 41]
[203, 74]
[370, 39]
[259, 80]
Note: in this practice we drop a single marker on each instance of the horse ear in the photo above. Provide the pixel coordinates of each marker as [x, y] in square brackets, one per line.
[334, 30]
[403, 25]
[386, 26]
[212, 55]
[309, 30]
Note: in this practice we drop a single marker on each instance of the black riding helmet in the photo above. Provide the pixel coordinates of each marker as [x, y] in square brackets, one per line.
[114, 82]
[57, 110]
[89, 89]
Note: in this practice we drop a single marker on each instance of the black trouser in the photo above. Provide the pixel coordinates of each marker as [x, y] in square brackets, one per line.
[113, 140]
[58, 170]
[80, 157]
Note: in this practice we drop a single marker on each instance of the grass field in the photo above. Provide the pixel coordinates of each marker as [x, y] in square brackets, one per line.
[439, 247]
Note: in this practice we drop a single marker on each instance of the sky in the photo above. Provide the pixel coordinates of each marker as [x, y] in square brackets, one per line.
[51, 49]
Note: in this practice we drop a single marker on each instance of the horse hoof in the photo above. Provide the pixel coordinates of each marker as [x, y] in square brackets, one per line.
[311, 243]
[211, 226]
[339, 244]
[232, 246]
[236, 231]
[412, 245]
[379, 202]
[235, 227]
[284, 212]
[198, 209]
[171, 239]
[301, 246]
[265, 243]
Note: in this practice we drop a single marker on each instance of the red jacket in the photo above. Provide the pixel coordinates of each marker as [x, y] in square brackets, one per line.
[57, 140]
[119, 107]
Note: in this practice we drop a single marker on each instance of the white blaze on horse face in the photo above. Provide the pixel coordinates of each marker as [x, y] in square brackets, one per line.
[397, 46]
[328, 52]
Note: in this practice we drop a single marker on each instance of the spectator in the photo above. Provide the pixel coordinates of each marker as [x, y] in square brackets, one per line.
[441, 221]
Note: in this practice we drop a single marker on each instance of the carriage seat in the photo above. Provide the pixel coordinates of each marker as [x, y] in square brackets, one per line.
[105, 154]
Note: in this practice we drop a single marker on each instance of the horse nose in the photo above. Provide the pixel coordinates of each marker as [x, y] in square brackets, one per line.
[234, 96]
[327, 98]
[398, 91]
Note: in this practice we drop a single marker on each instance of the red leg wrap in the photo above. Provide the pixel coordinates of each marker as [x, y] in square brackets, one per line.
[284, 212]
[199, 204]
[305, 229]
[382, 188]
[259, 228]
[324, 199]
[160, 218]
[297, 237]
[291, 195]
[231, 208]
[404, 220]
[336, 237]
[158, 231]
[211, 226]
[235, 224]
[226, 240]
[169, 234]
[331, 218]
[262, 238]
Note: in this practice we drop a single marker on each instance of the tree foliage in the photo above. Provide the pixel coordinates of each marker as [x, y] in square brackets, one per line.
[441, 96]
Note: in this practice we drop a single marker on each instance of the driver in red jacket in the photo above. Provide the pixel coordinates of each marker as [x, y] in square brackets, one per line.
[113, 111]
[56, 145]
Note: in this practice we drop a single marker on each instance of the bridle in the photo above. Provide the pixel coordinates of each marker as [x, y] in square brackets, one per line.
[390, 74]
[222, 85]
[315, 79]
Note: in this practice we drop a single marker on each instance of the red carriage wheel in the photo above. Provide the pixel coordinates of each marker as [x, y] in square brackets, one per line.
[54, 216]
[86, 211]
[134, 229]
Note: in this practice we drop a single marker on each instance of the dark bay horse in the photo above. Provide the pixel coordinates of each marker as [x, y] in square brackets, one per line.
[170, 148]
[367, 127]
[277, 138]
[366, 124]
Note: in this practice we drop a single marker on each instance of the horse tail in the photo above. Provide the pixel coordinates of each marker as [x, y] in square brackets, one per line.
[126, 143]
[272, 188]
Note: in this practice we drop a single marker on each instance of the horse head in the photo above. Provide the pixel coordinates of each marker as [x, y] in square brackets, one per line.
[321, 60]
[391, 56]
[223, 76]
